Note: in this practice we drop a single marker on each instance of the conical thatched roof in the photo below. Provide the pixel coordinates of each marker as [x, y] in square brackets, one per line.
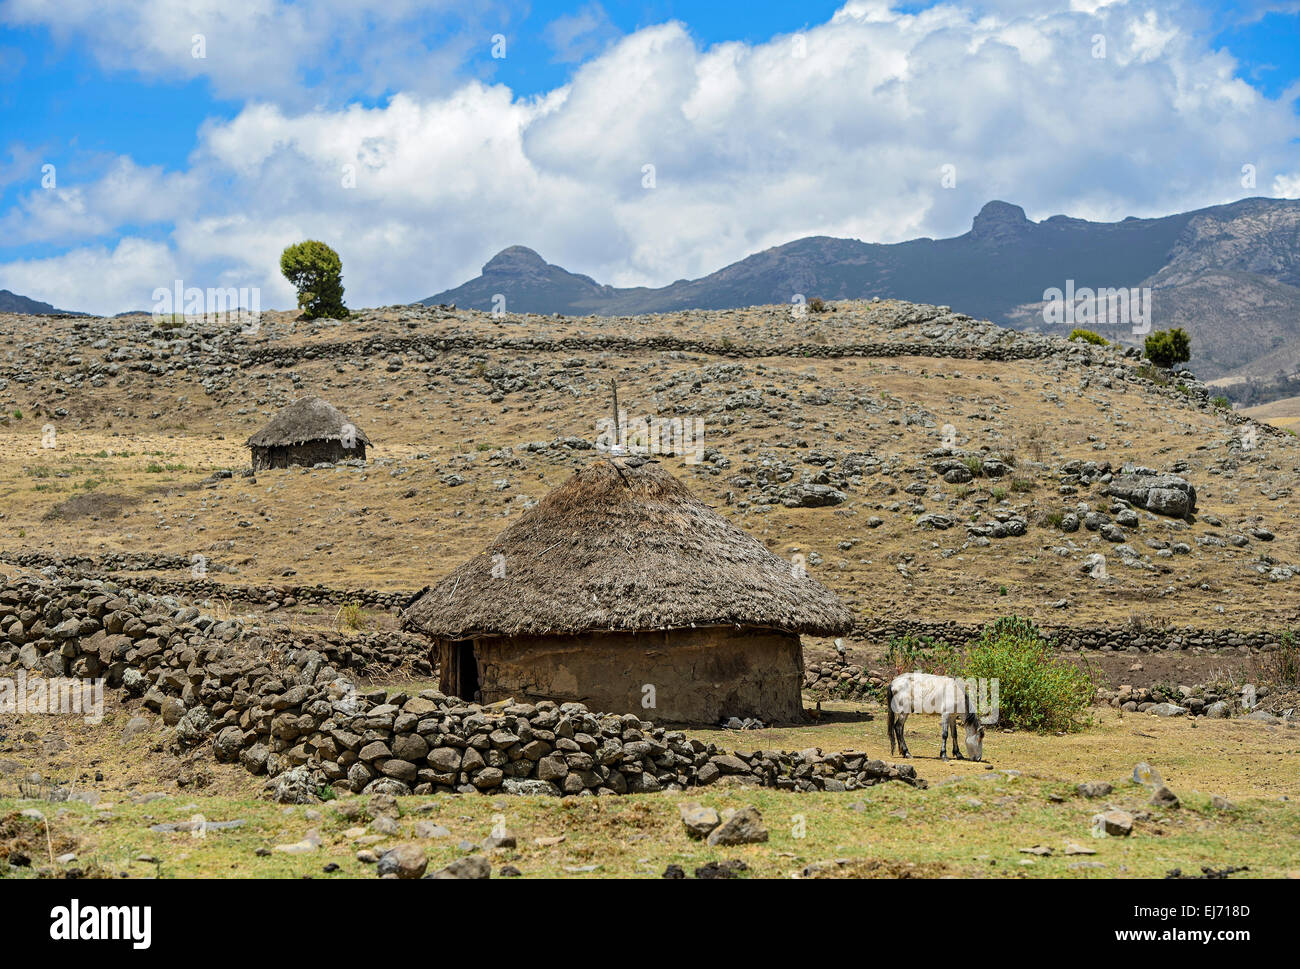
[624, 545]
[306, 419]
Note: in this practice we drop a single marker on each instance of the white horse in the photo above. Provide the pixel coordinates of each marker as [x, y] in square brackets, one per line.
[926, 693]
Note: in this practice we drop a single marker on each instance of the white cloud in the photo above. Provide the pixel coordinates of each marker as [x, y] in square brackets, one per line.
[580, 35]
[1287, 186]
[270, 48]
[96, 279]
[124, 194]
[753, 145]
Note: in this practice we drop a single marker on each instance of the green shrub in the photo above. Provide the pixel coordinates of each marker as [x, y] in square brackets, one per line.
[924, 653]
[1037, 689]
[1087, 336]
[317, 273]
[350, 616]
[1165, 348]
[1221, 402]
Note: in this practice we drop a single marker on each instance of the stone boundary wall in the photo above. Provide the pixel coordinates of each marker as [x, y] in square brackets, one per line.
[876, 631]
[834, 680]
[298, 719]
[92, 566]
[1080, 638]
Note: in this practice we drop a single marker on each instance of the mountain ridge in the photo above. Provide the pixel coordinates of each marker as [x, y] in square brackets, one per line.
[1206, 267]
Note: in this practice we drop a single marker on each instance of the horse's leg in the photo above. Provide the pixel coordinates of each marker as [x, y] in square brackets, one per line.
[956, 750]
[943, 740]
[902, 743]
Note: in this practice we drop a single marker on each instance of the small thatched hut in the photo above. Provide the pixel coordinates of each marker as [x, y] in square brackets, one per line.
[307, 432]
[622, 590]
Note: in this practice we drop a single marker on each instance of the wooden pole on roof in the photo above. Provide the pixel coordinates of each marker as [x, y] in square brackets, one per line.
[613, 388]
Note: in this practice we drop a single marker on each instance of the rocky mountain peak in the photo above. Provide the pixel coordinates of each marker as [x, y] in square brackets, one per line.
[998, 221]
[515, 260]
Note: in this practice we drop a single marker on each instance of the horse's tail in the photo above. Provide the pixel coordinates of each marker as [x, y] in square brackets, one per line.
[889, 716]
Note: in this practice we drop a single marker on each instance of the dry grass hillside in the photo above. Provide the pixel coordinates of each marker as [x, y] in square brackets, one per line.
[474, 418]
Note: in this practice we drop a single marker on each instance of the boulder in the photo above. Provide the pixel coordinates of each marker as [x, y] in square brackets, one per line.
[742, 828]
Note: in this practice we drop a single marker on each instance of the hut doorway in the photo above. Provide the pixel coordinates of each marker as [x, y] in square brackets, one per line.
[464, 678]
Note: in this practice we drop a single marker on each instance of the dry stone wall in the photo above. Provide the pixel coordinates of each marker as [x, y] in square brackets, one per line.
[1151, 638]
[295, 716]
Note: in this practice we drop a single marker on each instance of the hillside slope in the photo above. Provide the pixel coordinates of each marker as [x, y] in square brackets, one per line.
[838, 439]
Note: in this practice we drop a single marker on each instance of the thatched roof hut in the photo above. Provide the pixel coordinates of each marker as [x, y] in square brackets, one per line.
[620, 580]
[307, 432]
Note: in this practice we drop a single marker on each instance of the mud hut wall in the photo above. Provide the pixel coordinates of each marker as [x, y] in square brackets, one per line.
[680, 676]
[306, 454]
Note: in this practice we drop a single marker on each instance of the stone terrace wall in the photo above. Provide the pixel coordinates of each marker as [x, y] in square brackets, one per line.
[875, 631]
[296, 718]
[1079, 638]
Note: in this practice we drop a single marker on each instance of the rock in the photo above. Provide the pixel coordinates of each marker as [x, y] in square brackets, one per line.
[135, 727]
[385, 825]
[1094, 789]
[1261, 716]
[403, 861]
[1144, 773]
[428, 829]
[1218, 710]
[500, 838]
[699, 821]
[742, 828]
[1114, 822]
[1163, 494]
[1221, 803]
[729, 764]
[228, 743]
[526, 785]
[295, 786]
[471, 866]
[172, 710]
[812, 496]
[721, 869]
[383, 805]
[1168, 710]
[1165, 798]
[445, 759]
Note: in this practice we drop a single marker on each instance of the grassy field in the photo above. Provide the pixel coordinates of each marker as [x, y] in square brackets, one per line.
[974, 819]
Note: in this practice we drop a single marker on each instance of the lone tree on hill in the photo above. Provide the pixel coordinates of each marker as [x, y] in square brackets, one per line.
[1165, 348]
[317, 273]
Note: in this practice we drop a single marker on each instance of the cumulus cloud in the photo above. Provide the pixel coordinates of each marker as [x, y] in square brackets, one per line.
[275, 48]
[96, 279]
[661, 159]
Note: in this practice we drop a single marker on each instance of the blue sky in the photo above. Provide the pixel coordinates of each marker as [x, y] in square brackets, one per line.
[169, 164]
